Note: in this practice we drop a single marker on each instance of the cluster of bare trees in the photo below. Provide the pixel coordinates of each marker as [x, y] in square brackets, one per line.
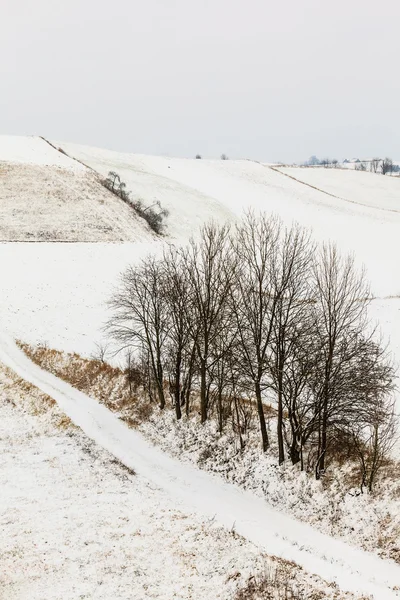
[378, 165]
[261, 321]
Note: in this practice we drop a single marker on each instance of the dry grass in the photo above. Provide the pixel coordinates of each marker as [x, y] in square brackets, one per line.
[30, 399]
[285, 580]
[109, 385]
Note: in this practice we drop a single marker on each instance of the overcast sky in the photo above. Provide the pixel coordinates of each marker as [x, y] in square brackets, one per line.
[269, 80]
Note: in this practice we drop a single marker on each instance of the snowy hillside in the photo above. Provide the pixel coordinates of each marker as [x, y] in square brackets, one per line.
[44, 195]
[53, 195]
[196, 190]
[361, 187]
[57, 293]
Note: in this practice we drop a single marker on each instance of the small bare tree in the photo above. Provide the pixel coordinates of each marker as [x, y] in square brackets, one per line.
[374, 165]
[112, 181]
[139, 317]
[386, 166]
[100, 352]
[372, 419]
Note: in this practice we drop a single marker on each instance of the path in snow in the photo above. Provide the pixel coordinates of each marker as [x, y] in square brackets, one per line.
[352, 569]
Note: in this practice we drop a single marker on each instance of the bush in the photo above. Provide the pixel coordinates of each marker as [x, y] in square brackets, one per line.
[154, 218]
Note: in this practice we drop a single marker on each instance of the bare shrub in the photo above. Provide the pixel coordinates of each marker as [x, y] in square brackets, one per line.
[100, 352]
[154, 215]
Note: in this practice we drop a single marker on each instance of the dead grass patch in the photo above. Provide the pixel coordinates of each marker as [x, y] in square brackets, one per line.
[108, 384]
[25, 396]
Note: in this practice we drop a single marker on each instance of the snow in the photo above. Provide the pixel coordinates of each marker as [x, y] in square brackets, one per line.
[362, 187]
[57, 293]
[35, 151]
[66, 286]
[57, 199]
[196, 190]
[351, 569]
[75, 524]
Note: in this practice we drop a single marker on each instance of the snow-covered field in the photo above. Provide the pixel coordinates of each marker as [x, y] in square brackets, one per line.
[366, 189]
[187, 489]
[45, 195]
[74, 523]
[57, 294]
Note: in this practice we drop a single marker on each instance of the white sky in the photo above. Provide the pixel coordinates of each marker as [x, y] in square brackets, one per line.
[263, 79]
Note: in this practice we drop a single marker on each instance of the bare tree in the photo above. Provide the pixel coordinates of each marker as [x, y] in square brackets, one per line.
[341, 300]
[291, 288]
[372, 420]
[386, 166]
[254, 302]
[100, 352]
[374, 165]
[209, 269]
[177, 294]
[139, 317]
[112, 181]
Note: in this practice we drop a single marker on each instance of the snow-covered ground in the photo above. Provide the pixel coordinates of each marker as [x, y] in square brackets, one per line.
[367, 189]
[196, 190]
[67, 287]
[333, 506]
[57, 293]
[44, 195]
[352, 570]
[74, 523]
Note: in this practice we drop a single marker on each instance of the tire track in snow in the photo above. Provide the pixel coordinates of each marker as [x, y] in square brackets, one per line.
[275, 533]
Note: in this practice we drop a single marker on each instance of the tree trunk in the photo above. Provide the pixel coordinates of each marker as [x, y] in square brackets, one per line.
[203, 390]
[281, 450]
[261, 416]
[177, 390]
[160, 384]
[220, 416]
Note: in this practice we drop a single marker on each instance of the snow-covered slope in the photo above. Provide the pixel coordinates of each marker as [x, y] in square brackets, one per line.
[367, 189]
[58, 294]
[45, 195]
[196, 190]
[353, 570]
[34, 151]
